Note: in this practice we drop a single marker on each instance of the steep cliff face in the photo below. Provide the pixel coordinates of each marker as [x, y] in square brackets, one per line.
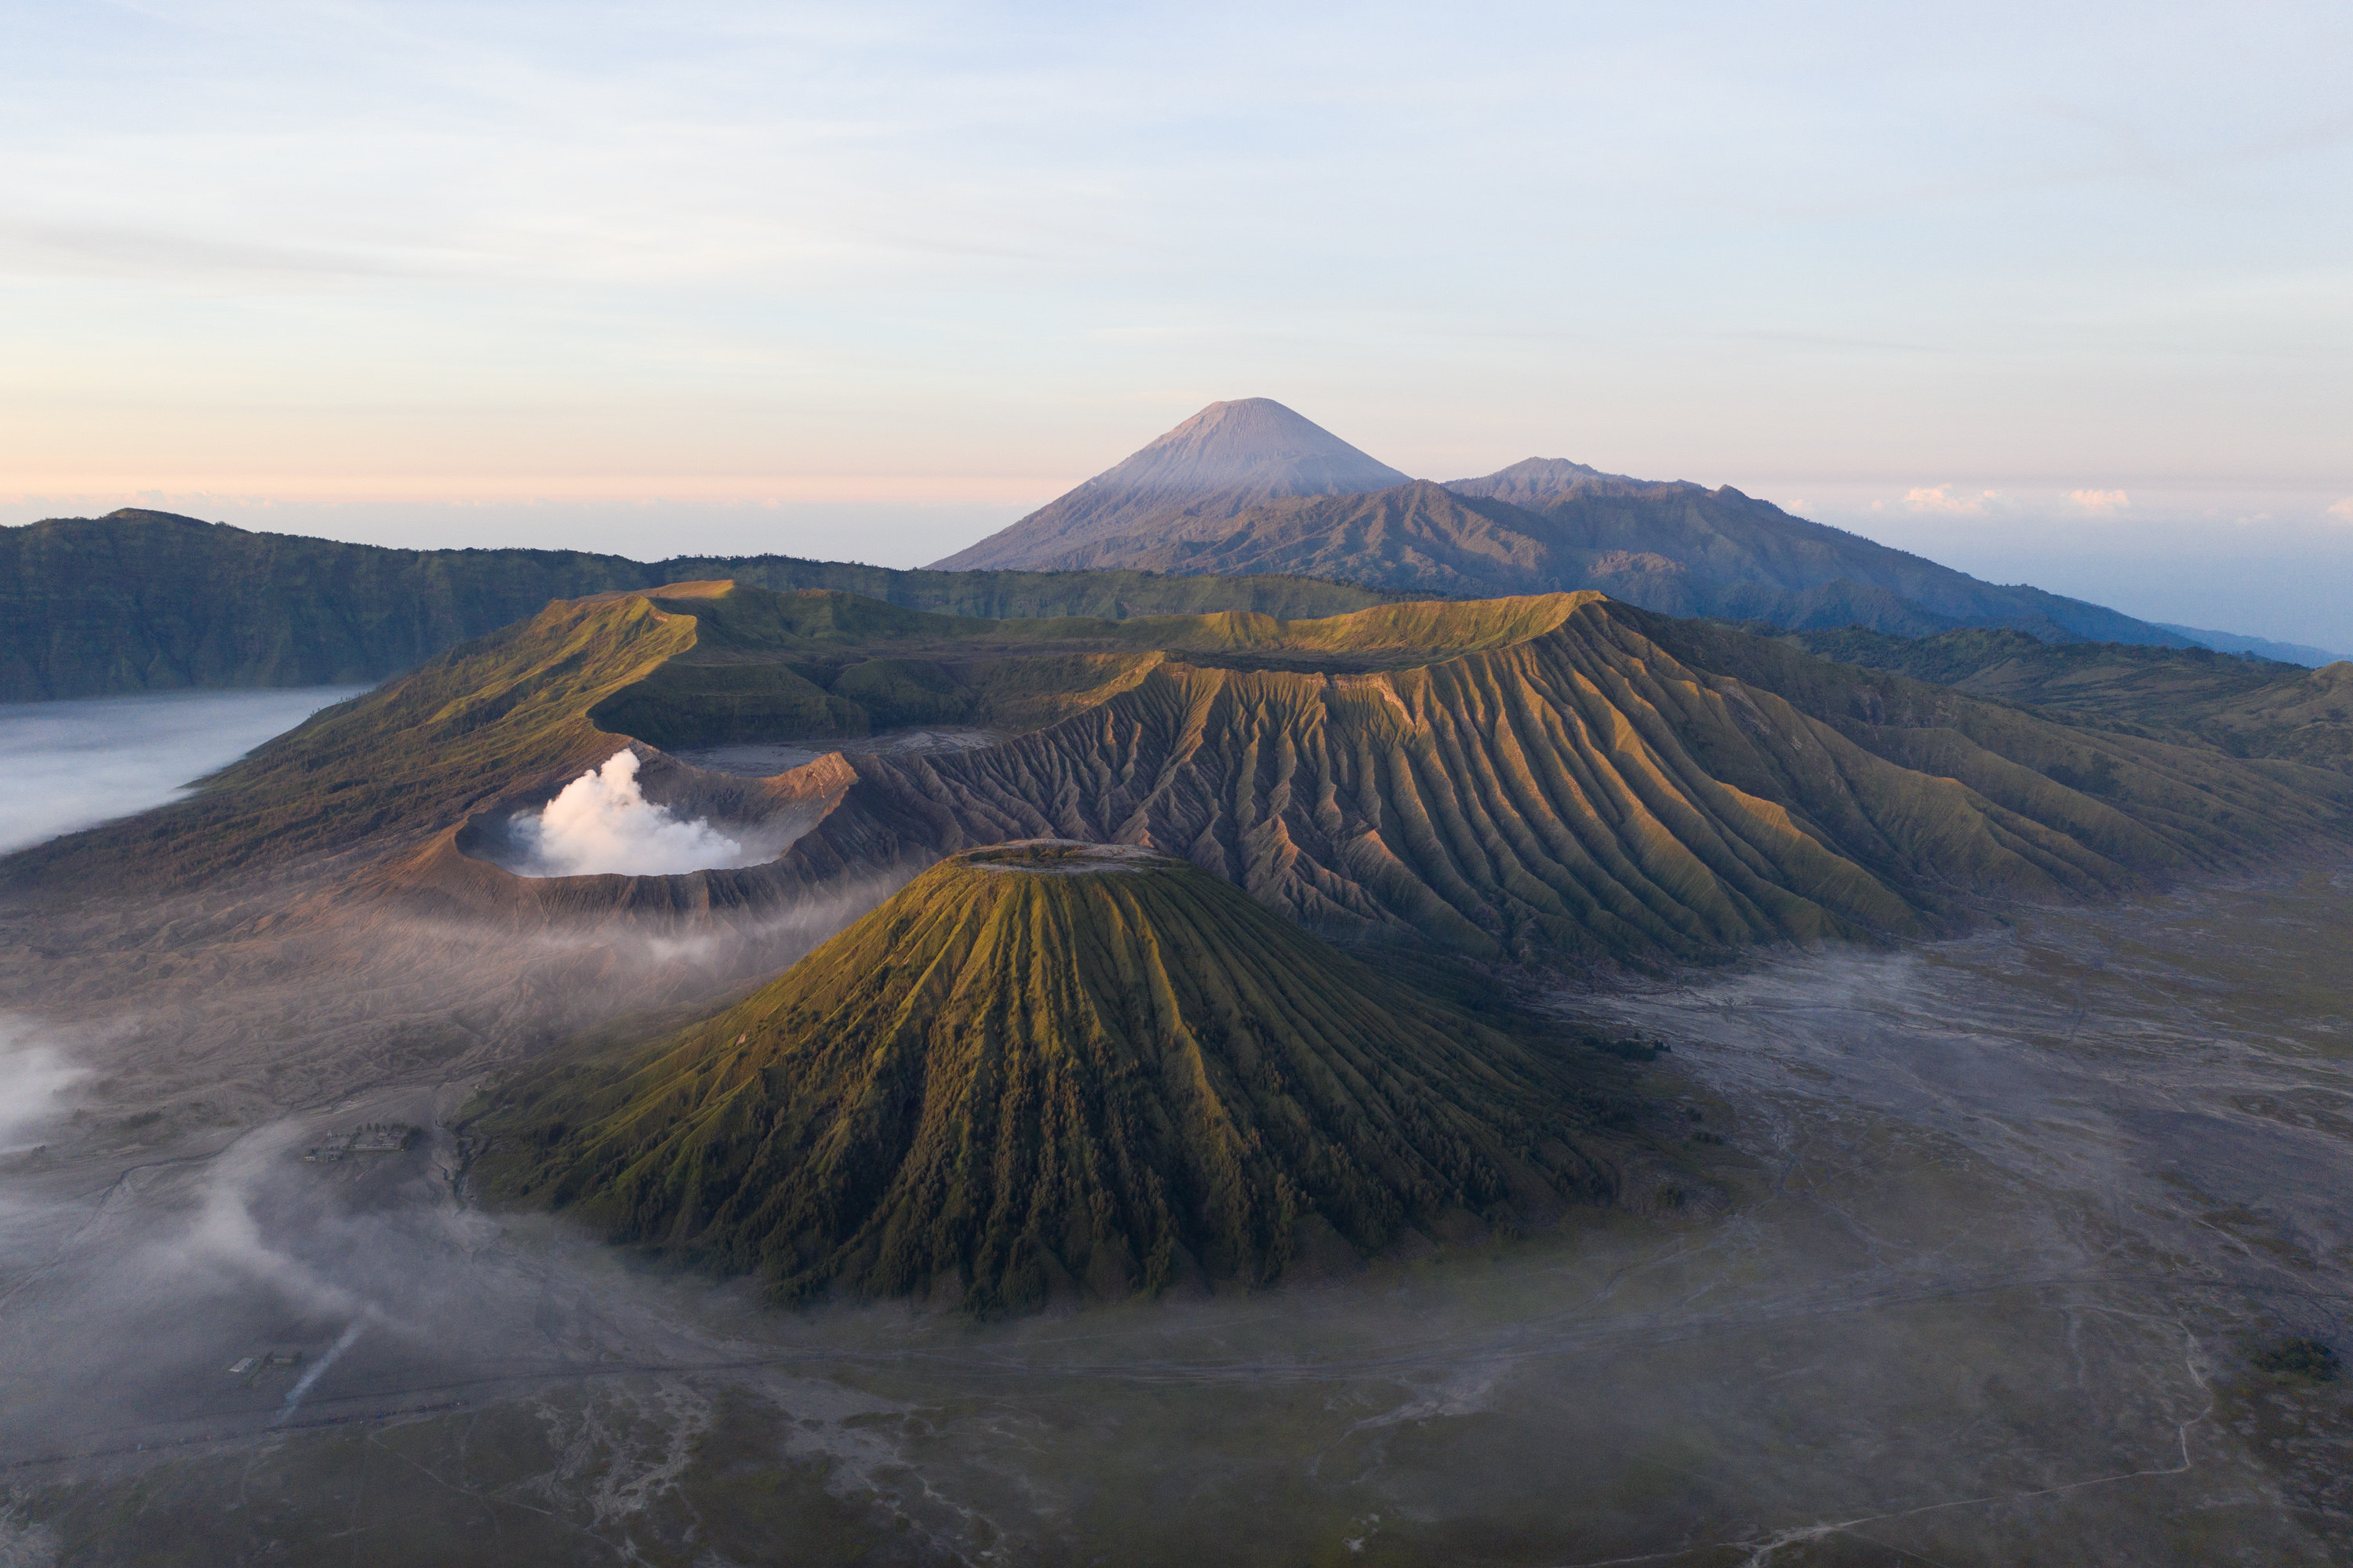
[1056, 1063]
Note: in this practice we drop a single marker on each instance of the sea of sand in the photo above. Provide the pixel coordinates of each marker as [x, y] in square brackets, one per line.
[1994, 1249]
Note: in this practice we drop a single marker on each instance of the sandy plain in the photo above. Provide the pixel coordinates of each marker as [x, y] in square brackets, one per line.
[1987, 1241]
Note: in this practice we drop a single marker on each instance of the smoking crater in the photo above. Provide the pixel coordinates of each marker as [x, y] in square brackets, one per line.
[602, 823]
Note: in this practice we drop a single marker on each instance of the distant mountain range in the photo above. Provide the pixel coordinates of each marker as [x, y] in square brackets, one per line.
[145, 601]
[1250, 486]
[1246, 506]
[2258, 647]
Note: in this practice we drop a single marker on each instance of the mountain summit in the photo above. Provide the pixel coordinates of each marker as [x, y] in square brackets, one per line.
[1223, 461]
[1250, 487]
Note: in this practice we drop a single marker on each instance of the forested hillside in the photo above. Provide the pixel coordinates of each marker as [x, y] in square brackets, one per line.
[142, 601]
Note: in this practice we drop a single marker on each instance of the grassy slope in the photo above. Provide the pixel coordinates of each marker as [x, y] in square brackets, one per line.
[2247, 707]
[396, 763]
[1597, 790]
[692, 664]
[1000, 1078]
[149, 601]
[1517, 777]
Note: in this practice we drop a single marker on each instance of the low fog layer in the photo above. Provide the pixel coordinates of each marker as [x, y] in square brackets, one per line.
[73, 765]
[603, 823]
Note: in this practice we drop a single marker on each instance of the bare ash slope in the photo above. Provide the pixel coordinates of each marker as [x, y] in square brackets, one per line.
[1554, 776]
[1057, 1064]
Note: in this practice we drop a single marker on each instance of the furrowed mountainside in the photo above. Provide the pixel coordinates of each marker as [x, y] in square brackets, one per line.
[1215, 465]
[140, 601]
[1547, 776]
[1539, 526]
[2245, 707]
[1052, 1066]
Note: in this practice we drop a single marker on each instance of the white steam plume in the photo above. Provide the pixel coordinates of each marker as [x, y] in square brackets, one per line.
[32, 1079]
[603, 823]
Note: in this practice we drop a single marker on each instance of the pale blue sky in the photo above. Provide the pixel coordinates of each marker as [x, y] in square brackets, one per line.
[627, 276]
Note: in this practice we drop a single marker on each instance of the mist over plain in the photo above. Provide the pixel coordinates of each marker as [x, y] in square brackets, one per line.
[75, 764]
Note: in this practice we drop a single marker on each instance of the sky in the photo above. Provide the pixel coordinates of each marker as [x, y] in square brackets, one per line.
[2053, 293]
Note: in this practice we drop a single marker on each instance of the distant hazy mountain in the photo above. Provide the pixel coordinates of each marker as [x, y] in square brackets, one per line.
[1223, 461]
[1315, 504]
[139, 602]
[2261, 646]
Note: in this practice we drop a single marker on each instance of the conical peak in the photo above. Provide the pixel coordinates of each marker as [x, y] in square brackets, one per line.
[1007, 1081]
[1255, 443]
[1226, 459]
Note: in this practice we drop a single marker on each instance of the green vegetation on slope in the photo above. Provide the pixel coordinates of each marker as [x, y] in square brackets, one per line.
[692, 664]
[2246, 707]
[1045, 1064]
[1514, 778]
[394, 763]
[140, 601]
[1597, 790]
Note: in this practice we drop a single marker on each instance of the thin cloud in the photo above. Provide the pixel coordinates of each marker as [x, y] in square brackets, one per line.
[82, 250]
[2343, 509]
[2104, 502]
[1943, 498]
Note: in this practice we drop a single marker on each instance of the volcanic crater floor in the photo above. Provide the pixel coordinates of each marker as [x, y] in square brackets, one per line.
[2011, 1225]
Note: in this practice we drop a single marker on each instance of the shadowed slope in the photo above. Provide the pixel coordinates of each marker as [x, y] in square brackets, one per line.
[139, 602]
[2245, 707]
[1416, 532]
[1685, 550]
[1046, 1063]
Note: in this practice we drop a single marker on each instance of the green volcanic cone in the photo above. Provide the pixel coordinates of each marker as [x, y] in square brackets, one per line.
[1050, 1063]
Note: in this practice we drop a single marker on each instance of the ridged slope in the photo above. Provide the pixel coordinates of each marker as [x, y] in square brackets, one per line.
[1587, 791]
[1053, 1063]
[2245, 707]
[1531, 777]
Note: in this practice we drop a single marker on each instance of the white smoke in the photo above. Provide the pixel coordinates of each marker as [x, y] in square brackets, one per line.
[33, 1081]
[224, 1240]
[603, 824]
